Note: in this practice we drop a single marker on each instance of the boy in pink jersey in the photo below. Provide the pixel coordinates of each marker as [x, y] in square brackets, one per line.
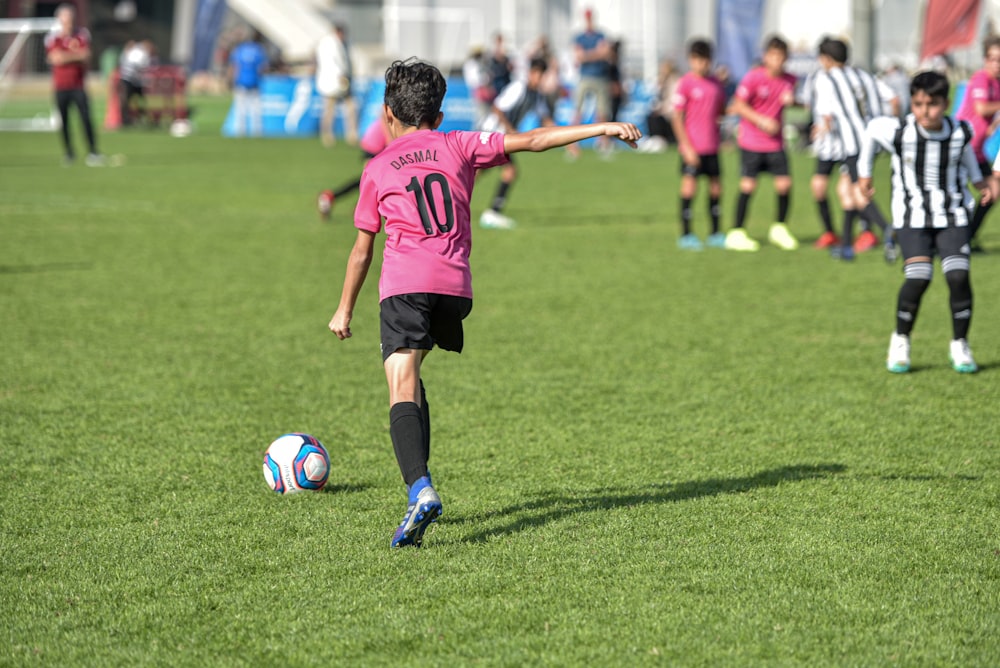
[760, 103]
[699, 102]
[980, 105]
[375, 138]
[421, 188]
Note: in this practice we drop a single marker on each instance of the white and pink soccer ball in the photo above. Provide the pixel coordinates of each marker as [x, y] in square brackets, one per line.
[296, 462]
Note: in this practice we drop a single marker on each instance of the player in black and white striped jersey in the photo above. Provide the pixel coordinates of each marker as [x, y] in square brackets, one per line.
[932, 165]
[844, 100]
[510, 108]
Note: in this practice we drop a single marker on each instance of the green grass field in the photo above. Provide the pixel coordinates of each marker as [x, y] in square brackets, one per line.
[647, 457]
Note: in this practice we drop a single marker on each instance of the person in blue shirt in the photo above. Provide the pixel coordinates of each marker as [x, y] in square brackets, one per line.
[593, 54]
[247, 63]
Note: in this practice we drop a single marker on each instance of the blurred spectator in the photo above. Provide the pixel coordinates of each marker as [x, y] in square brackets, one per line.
[474, 74]
[898, 80]
[660, 118]
[67, 50]
[498, 67]
[135, 60]
[592, 52]
[333, 82]
[551, 86]
[616, 84]
[247, 63]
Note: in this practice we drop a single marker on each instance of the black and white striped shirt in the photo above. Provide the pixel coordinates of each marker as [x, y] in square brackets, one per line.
[849, 98]
[516, 101]
[930, 170]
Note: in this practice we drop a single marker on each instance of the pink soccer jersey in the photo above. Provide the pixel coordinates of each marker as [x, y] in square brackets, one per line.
[981, 88]
[421, 185]
[375, 138]
[702, 100]
[769, 96]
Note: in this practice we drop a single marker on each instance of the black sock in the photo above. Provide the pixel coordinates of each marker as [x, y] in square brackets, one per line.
[824, 215]
[500, 199]
[407, 431]
[685, 215]
[741, 209]
[850, 215]
[713, 212]
[783, 207]
[426, 414]
[873, 214]
[908, 304]
[347, 187]
[977, 219]
[960, 289]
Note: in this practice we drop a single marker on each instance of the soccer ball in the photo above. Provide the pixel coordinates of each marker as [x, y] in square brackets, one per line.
[296, 462]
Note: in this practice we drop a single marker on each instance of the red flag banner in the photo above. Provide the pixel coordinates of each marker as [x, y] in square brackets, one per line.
[948, 24]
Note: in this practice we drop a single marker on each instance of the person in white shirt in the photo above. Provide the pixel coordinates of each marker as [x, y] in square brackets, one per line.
[333, 82]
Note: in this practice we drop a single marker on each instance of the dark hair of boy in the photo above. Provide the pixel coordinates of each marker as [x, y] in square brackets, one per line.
[414, 91]
[538, 64]
[989, 43]
[775, 42]
[933, 84]
[835, 49]
[700, 48]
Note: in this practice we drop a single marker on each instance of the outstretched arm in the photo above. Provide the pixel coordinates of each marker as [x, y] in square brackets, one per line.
[357, 269]
[544, 138]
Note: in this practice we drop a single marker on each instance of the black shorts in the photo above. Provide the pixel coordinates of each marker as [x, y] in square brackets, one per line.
[848, 166]
[753, 163]
[421, 321]
[928, 241]
[708, 166]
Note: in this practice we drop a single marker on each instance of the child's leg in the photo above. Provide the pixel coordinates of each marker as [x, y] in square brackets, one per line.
[956, 272]
[845, 191]
[348, 187]
[689, 188]
[508, 174]
[714, 195]
[819, 184]
[783, 188]
[406, 423]
[918, 272]
[747, 187]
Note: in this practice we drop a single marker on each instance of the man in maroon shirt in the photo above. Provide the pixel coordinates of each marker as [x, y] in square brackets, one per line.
[68, 51]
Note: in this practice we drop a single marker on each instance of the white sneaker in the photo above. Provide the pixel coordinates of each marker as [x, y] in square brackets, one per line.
[898, 359]
[961, 357]
[94, 160]
[738, 240]
[495, 220]
[781, 237]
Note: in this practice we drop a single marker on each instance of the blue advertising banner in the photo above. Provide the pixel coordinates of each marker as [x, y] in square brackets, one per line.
[207, 24]
[740, 24]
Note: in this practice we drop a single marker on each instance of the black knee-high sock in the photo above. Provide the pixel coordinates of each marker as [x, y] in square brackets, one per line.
[426, 415]
[977, 218]
[908, 304]
[960, 289]
[824, 214]
[713, 212]
[407, 431]
[347, 187]
[873, 214]
[741, 209]
[783, 207]
[685, 215]
[500, 199]
[850, 215]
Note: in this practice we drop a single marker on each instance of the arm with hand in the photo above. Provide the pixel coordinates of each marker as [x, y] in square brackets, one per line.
[358, 263]
[765, 123]
[545, 138]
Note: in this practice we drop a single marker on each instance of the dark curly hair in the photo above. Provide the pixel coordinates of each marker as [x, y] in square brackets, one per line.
[414, 91]
[934, 84]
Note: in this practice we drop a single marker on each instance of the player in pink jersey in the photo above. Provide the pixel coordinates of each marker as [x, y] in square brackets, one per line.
[760, 103]
[979, 107]
[421, 188]
[699, 102]
[375, 138]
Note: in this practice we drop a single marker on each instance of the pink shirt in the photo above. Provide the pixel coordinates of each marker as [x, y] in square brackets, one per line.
[422, 185]
[981, 88]
[375, 138]
[769, 96]
[702, 100]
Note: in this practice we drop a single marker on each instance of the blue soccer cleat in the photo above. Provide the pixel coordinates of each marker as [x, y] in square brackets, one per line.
[717, 240]
[690, 242]
[425, 509]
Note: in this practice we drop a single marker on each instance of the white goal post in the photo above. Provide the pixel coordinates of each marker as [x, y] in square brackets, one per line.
[24, 106]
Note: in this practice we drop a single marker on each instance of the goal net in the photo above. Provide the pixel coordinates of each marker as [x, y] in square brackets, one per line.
[25, 86]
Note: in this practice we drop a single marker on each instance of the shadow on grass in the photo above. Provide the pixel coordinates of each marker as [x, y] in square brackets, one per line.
[550, 507]
[344, 489]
